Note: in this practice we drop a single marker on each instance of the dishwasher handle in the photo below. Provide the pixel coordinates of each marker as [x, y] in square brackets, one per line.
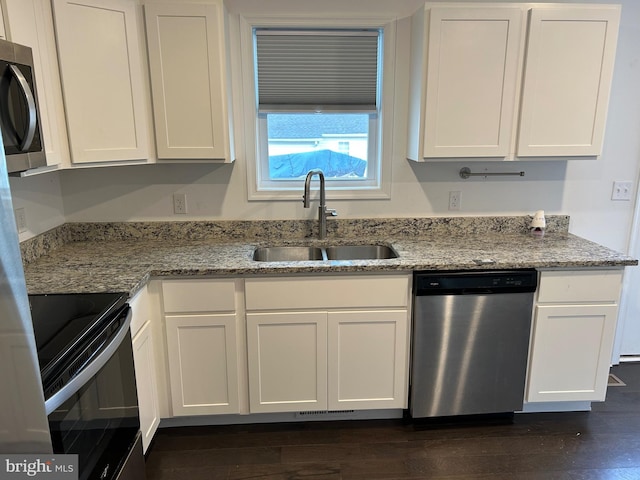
[476, 291]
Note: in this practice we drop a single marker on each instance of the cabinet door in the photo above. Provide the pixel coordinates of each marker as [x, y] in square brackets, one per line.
[568, 70]
[472, 75]
[143, 358]
[187, 54]
[30, 22]
[287, 355]
[102, 79]
[368, 359]
[571, 352]
[203, 364]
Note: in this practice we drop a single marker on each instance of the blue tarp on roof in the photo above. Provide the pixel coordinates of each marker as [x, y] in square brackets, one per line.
[288, 126]
[333, 164]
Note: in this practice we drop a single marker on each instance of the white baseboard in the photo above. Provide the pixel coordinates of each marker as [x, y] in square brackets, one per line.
[546, 407]
[317, 416]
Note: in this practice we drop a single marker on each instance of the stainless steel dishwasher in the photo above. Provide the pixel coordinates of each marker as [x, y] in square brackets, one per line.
[470, 341]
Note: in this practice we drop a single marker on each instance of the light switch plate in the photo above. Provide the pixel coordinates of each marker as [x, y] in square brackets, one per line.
[622, 191]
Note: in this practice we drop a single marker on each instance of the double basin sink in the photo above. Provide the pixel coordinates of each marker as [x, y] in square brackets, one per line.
[334, 252]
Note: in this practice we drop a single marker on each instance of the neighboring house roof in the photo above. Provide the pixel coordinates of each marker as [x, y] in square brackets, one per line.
[291, 126]
[333, 164]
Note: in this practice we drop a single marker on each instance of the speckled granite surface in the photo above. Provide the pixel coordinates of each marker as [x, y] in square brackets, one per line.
[122, 257]
[278, 230]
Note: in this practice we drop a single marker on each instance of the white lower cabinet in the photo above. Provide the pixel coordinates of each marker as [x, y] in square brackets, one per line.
[201, 326]
[145, 367]
[287, 361]
[143, 358]
[350, 354]
[367, 365]
[573, 333]
[203, 364]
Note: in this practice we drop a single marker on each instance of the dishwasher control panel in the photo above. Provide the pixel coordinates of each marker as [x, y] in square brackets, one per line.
[461, 282]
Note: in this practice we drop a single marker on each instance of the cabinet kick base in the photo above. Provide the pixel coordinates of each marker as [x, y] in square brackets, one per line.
[312, 416]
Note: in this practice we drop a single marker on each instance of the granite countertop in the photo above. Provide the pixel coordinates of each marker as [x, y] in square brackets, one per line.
[94, 259]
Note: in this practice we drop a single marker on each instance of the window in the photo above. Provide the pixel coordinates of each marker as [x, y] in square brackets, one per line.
[318, 104]
[336, 143]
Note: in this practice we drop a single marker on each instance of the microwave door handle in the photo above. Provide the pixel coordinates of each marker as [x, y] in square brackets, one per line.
[31, 105]
[89, 371]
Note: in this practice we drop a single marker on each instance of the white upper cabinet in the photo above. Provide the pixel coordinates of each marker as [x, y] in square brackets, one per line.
[484, 85]
[567, 80]
[189, 80]
[30, 23]
[465, 96]
[103, 80]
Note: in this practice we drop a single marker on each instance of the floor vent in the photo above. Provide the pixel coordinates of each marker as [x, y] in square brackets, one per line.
[331, 413]
[615, 381]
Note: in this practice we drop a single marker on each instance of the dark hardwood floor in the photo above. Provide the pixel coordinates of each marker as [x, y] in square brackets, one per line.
[601, 444]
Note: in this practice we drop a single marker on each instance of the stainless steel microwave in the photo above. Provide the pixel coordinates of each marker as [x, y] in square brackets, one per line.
[19, 116]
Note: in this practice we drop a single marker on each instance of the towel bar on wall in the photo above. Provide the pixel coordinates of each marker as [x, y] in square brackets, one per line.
[465, 172]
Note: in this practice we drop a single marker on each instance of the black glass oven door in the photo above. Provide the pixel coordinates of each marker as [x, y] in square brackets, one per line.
[100, 421]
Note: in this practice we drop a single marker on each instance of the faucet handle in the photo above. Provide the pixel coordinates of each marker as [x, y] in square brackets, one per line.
[330, 212]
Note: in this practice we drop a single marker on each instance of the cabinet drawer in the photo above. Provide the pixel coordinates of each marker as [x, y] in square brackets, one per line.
[580, 286]
[327, 292]
[198, 296]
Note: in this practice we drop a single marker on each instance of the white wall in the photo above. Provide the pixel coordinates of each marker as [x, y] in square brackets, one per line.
[581, 189]
[41, 198]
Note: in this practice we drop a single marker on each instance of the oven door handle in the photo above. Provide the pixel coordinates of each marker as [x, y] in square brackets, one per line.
[91, 369]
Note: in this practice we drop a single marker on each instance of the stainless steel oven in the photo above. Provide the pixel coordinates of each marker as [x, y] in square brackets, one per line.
[86, 361]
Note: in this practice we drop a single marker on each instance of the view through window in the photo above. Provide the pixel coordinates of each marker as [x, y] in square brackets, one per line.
[336, 143]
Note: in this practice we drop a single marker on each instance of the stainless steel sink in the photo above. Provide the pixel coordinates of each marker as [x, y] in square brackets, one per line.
[334, 252]
[360, 252]
[287, 254]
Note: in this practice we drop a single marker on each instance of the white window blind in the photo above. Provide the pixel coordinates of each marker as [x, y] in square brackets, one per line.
[317, 70]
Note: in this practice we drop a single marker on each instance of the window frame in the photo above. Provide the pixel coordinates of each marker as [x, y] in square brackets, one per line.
[255, 123]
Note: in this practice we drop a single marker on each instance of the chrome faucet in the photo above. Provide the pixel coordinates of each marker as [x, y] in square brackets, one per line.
[323, 211]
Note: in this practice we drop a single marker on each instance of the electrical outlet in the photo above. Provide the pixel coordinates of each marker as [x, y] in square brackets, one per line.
[21, 220]
[621, 191]
[180, 203]
[454, 200]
